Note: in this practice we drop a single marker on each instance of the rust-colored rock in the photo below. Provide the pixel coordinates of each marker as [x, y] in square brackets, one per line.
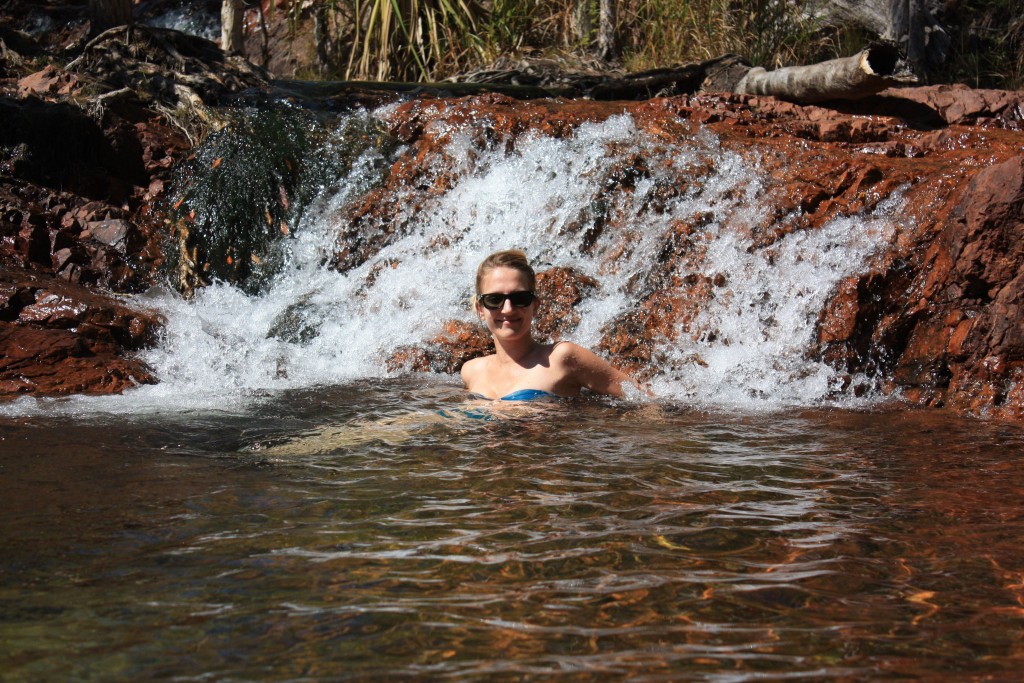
[48, 362]
[80, 174]
[945, 322]
[958, 104]
[61, 338]
[447, 352]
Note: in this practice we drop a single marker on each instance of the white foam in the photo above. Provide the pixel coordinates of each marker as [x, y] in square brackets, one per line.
[190, 21]
[752, 341]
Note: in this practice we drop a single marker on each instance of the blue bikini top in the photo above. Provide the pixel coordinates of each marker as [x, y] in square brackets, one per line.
[527, 395]
[521, 395]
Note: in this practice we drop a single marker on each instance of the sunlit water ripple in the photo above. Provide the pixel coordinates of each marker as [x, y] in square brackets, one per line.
[358, 533]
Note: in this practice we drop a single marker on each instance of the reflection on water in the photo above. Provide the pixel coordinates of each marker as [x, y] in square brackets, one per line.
[577, 541]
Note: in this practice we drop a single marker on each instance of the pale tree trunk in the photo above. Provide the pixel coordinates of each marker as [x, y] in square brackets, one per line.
[582, 22]
[849, 78]
[105, 14]
[231, 39]
[583, 26]
[607, 39]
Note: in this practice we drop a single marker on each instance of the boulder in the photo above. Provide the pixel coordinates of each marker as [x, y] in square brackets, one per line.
[60, 338]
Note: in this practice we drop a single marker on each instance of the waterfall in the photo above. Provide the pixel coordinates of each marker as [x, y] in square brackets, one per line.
[752, 342]
[195, 21]
[312, 325]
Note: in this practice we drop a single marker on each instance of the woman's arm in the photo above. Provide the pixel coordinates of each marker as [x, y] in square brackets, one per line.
[589, 370]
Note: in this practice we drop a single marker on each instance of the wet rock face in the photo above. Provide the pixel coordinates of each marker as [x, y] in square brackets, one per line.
[80, 176]
[936, 318]
[61, 338]
[942, 321]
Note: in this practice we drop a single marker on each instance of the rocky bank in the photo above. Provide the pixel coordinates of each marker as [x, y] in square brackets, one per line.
[87, 153]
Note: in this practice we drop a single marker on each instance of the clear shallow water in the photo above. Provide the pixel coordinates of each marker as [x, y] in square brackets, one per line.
[353, 533]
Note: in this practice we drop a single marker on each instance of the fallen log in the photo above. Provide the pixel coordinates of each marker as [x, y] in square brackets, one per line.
[866, 73]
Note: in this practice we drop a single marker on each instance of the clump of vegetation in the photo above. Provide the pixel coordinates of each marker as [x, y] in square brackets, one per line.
[399, 39]
[244, 190]
[987, 44]
[428, 40]
[431, 39]
[768, 33]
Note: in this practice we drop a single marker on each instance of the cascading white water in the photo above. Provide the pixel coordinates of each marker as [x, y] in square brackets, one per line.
[191, 20]
[752, 341]
[224, 347]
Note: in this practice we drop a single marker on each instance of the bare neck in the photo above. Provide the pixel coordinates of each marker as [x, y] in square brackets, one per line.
[517, 351]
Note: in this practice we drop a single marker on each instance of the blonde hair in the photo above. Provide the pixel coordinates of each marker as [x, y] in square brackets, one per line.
[509, 258]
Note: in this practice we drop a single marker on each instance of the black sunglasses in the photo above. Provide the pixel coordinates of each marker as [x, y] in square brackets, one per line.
[494, 302]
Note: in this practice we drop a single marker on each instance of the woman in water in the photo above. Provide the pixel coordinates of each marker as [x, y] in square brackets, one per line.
[521, 368]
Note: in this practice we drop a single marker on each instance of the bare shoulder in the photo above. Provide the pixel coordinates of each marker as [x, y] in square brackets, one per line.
[570, 354]
[473, 369]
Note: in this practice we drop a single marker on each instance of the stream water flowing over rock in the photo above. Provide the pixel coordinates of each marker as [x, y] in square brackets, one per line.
[720, 255]
[622, 226]
[730, 250]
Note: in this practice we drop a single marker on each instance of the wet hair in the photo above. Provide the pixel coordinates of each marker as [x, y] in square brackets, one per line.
[510, 258]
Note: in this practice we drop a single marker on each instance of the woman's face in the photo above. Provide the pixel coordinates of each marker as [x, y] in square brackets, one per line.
[507, 322]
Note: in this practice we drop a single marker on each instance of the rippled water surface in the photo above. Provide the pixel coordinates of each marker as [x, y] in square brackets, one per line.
[387, 531]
